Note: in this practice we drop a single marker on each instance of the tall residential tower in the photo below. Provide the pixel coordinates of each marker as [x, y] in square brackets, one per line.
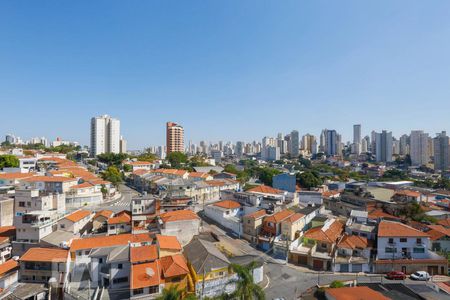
[105, 135]
[174, 137]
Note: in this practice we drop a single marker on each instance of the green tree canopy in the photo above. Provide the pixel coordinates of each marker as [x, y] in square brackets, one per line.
[231, 169]
[309, 179]
[112, 159]
[177, 159]
[336, 284]
[8, 161]
[246, 289]
[113, 175]
[266, 175]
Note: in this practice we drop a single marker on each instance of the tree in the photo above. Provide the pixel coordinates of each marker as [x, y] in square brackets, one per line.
[8, 161]
[127, 168]
[113, 175]
[112, 159]
[172, 293]
[177, 159]
[246, 289]
[336, 284]
[304, 162]
[266, 175]
[309, 179]
[231, 169]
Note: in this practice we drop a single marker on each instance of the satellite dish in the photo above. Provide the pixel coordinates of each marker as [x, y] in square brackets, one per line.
[149, 272]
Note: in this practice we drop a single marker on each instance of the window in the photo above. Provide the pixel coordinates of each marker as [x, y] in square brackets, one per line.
[120, 280]
[391, 241]
[62, 226]
[419, 250]
[21, 204]
[119, 266]
[100, 260]
[138, 291]
[390, 250]
[419, 241]
[112, 227]
[403, 240]
[153, 289]
[86, 252]
[29, 204]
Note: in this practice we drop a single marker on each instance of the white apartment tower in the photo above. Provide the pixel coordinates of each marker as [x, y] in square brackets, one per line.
[419, 148]
[105, 135]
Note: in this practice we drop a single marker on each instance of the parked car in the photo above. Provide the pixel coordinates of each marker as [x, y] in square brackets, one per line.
[396, 275]
[420, 275]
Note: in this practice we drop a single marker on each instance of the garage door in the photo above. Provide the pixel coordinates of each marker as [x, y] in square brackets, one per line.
[356, 268]
[302, 260]
[318, 265]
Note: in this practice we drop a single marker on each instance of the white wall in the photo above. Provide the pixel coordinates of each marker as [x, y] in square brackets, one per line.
[410, 244]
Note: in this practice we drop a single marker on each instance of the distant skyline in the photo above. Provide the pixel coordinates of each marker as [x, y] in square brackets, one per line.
[229, 70]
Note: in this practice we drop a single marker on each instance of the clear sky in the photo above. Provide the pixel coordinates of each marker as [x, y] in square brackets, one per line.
[230, 70]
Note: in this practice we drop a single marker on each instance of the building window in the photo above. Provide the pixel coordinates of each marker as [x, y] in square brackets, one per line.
[100, 260]
[419, 241]
[62, 226]
[86, 252]
[391, 241]
[390, 250]
[112, 227]
[153, 289]
[403, 240]
[119, 266]
[138, 291]
[419, 250]
[21, 204]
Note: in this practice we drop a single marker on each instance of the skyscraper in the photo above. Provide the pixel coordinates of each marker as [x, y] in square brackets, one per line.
[105, 135]
[419, 148]
[295, 144]
[404, 145]
[441, 152]
[383, 142]
[239, 150]
[308, 140]
[331, 143]
[356, 139]
[174, 138]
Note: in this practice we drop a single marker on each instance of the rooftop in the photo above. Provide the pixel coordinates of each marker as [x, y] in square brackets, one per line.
[143, 253]
[355, 293]
[397, 229]
[108, 241]
[45, 255]
[227, 204]
[78, 215]
[178, 215]
[264, 189]
[168, 242]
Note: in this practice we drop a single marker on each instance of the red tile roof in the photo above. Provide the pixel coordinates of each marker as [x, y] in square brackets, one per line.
[50, 179]
[329, 235]
[199, 175]
[279, 216]
[445, 222]
[168, 242]
[16, 175]
[257, 214]
[378, 213]
[138, 163]
[104, 213]
[397, 229]
[174, 265]
[264, 189]
[178, 215]
[438, 231]
[294, 218]
[146, 275]
[355, 293]
[228, 204]
[408, 193]
[353, 242]
[143, 253]
[78, 215]
[108, 241]
[82, 185]
[120, 218]
[45, 255]
[8, 266]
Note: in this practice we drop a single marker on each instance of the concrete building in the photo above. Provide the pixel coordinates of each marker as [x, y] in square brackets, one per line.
[356, 139]
[419, 148]
[174, 138]
[6, 211]
[105, 135]
[441, 152]
[404, 145]
[309, 143]
[295, 144]
[383, 143]
[285, 182]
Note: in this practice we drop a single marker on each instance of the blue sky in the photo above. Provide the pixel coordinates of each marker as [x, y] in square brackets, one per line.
[230, 70]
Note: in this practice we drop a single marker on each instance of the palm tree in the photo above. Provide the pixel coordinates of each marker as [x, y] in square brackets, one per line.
[246, 289]
[172, 293]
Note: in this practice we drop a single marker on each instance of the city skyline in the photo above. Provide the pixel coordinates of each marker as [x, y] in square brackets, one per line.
[215, 66]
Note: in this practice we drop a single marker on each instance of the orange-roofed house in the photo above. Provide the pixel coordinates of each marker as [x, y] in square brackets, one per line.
[183, 224]
[352, 254]
[252, 224]
[200, 176]
[38, 265]
[271, 228]
[167, 245]
[175, 271]
[76, 222]
[227, 213]
[9, 273]
[439, 237]
[171, 173]
[317, 246]
[146, 280]
[142, 254]
[140, 165]
[354, 293]
[53, 184]
[406, 196]
[13, 179]
[119, 223]
[406, 249]
[100, 220]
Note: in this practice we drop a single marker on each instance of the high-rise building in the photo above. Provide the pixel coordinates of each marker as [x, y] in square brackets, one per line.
[239, 150]
[332, 143]
[419, 148]
[307, 142]
[441, 152]
[123, 145]
[404, 145]
[295, 146]
[356, 139]
[174, 138]
[105, 135]
[364, 145]
[383, 142]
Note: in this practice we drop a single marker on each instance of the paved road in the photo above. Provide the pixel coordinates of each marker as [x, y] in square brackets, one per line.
[122, 203]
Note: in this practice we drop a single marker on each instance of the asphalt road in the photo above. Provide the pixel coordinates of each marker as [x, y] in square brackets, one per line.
[122, 203]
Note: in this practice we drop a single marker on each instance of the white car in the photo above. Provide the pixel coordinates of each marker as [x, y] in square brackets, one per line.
[420, 275]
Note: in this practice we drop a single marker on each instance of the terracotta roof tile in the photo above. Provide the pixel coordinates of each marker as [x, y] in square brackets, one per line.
[146, 275]
[445, 222]
[49, 179]
[330, 235]
[104, 213]
[143, 253]
[353, 242]
[168, 242]
[16, 175]
[8, 266]
[397, 229]
[264, 189]
[108, 241]
[138, 163]
[408, 193]
[174, 265]
[82, 186]
[120, 218]
[45, 255]
[257, 214]
[294, 218]
[78, 215]
[178, 215]
[279, 216]
[228, 204]
[355, 293]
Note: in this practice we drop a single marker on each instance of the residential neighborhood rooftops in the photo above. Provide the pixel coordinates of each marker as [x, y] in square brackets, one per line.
[279, 216]
[108, 241]
[257, 214]
[78, 215]
[174, 265]
[264, 189]
[16, 175]
[83, 185]
[104, 213]
[353, 242]
[294, 218]
[397, 229]
[145, 275]
[49, 179]
[178, 215]
[324, 233]
[204, 256]
[120, 218]
[8, 266]
[143, 253]
[228, 204]
[45, 255]
[138, 163]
